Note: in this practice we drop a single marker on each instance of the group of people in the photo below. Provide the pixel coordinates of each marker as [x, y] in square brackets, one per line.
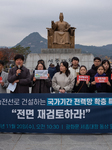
[66, 80]
[62, 79]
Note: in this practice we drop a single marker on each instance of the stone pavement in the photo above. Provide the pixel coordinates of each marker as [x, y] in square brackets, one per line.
[9, 141]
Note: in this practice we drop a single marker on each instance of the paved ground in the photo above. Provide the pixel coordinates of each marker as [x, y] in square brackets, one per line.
[55, 142]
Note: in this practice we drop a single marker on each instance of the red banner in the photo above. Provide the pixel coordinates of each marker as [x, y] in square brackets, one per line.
[101, 79]
[83, 78]
[111, 76]
[0, 79]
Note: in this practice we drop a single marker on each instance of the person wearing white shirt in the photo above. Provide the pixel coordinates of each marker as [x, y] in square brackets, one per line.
[74, 69]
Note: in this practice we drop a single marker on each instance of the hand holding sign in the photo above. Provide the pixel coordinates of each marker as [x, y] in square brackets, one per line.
[0, 79]
[78, 82]
[87, 82]
[108, 83]
[48, 75]
[93, 83]
[34, 79]
[1, 82]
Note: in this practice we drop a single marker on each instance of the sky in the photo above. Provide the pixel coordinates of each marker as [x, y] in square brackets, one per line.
[91, 18]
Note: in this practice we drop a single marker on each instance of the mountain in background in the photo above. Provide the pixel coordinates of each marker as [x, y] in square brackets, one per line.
[36, 42]
[96, 51]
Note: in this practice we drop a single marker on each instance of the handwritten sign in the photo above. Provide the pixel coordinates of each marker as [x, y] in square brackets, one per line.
[101, 79]
[41, 74]
[83, 78]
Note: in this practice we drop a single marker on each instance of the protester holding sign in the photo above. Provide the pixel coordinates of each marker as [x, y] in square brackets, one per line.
[63, 81]
[3, 78]
[19, 76]
[82, 81]
[100, 81]
[40, 80]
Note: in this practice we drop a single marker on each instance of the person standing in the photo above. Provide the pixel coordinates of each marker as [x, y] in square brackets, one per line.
[63, 81]
[3, 78]
[100, 87]
[40, 85]
[107, 67]
[20, 75]
[74, 69]
[81, 86]
[93, 70]
[51, 70]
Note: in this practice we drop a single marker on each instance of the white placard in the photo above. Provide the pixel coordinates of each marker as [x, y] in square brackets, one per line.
[41, 74]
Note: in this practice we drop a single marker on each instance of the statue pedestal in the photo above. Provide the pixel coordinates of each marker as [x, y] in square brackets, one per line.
[56, 56]
[60, 50]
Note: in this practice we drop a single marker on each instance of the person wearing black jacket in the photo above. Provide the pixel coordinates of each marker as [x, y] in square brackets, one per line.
[19, 75]
[81, 86]
[93, 70]
[107, 67]
[40, 85]
[51, 70]
[100, 87]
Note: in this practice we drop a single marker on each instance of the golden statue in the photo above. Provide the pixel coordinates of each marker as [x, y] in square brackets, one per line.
[61, 35]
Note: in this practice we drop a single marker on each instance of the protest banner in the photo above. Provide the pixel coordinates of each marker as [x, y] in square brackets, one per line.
[56, 113]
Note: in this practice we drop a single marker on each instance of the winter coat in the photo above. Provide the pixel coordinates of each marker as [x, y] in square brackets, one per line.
[92, 71]
[61, 81]
[51, 71]
[41, 85]
[101, 88]
[24, 79]
[81, 88]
